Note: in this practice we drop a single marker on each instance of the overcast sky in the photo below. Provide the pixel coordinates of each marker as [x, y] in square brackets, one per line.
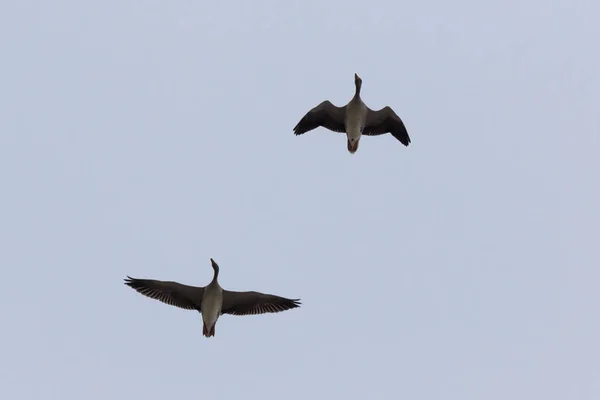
[144, 137]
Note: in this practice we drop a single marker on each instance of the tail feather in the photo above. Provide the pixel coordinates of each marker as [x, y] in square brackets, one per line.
[208, 332]
[352, 148]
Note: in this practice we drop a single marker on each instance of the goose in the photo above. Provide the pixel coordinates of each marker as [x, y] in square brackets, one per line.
[354, 119]
[212, 300]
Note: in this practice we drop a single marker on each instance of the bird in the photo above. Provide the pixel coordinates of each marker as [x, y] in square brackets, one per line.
[211, 301]
[354, 119]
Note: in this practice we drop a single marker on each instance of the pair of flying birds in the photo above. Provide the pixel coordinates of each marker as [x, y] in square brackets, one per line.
[354, 119]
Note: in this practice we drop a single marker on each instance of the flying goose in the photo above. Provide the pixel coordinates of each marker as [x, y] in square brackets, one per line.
[211, 301]
[354, 119]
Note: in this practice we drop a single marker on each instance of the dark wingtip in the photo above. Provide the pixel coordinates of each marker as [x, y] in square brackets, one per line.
[297, 129]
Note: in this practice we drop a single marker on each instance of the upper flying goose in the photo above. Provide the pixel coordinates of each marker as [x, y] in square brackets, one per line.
[211, 301]
[354, 119]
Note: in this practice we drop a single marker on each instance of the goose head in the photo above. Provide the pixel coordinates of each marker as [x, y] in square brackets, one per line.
[357, 83]
[215, 267]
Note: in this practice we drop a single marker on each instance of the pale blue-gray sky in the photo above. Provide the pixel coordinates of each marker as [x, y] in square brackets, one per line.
[144, 137]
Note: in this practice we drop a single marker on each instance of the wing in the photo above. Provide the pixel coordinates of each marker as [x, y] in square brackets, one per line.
[326, 115]
[252, 303]
[384, 121]
[171, 293]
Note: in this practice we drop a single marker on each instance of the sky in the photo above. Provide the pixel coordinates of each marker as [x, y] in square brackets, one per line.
[143, 138]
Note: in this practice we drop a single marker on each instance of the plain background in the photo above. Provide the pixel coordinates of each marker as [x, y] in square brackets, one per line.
[144, 137]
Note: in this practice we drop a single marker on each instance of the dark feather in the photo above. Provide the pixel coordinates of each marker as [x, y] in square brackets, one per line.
[252, 303]
[384, 121]
[171, 293]
[326, 115]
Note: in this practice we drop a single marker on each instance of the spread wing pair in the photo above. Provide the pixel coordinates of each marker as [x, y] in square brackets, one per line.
[333, 118]
[190, 297]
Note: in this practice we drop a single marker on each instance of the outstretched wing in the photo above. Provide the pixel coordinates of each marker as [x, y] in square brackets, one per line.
[384, 121]
[326, 115]
[252, 303]
[171, 293]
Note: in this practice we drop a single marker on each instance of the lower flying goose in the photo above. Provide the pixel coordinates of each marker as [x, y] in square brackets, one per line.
[354, 119]
[212, 300]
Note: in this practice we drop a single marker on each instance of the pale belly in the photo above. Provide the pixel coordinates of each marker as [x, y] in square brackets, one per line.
[211, 308]
[353, 130]
[355, 123]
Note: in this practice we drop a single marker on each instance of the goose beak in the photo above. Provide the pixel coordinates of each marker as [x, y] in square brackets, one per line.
[353, 146]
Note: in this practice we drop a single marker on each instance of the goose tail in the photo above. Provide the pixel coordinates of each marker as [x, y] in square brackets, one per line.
[352, 147]
[208, 332]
